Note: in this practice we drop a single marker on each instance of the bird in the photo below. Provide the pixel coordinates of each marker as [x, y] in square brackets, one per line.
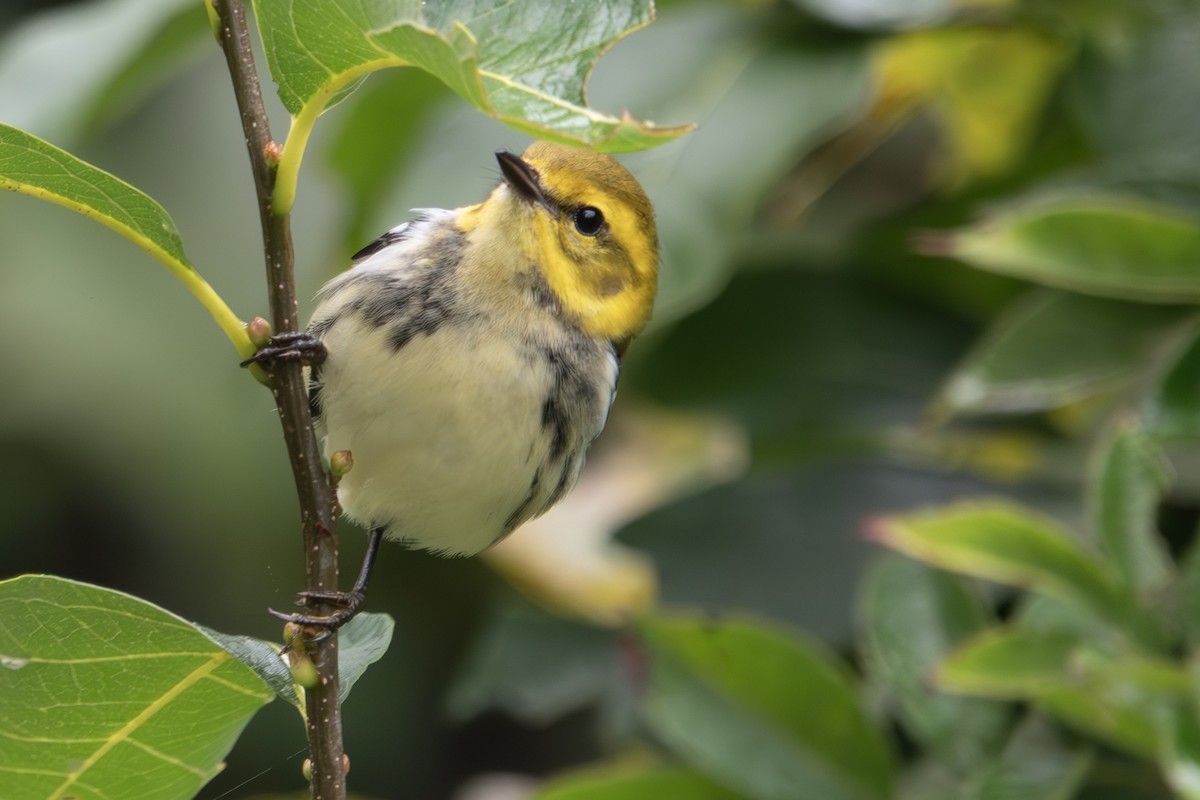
[469, 357]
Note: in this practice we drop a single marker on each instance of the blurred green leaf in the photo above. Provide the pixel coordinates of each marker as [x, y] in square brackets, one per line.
[620, 784]
[805, 361]
[1036, 764]
[1053, 348]
[1134, 94]
[787, 542]
[911, 616]
[179, 35]
[986, 85]
[361, 642]
[761, 711]
[522, 63]
[1189, 597]
[1180, 754]
[1006, 662]
[79, 66]
[31, 166]
[1118, 703]
[1129, 480]
[710, 191]
[1108, 246]
[1007, 544]
[1045, 614]
[534, 666]
[880, 14]
[369, 162]
[1172, 411]
[104, 695]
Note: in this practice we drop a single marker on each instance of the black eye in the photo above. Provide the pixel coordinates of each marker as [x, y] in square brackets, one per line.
[589, 220]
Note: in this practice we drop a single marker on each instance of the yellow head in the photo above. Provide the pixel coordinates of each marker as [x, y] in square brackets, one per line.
[588, 225]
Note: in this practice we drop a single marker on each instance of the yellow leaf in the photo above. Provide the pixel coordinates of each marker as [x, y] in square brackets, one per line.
[985, 86]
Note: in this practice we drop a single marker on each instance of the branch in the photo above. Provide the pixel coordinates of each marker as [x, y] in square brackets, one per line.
[286, 376]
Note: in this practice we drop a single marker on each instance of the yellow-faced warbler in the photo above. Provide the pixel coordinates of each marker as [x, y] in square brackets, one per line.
[469, 357]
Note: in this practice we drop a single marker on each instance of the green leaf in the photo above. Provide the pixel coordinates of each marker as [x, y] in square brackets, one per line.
[522, 63]
[1180, 752]
[1007, 544]
[879, 14]
[103, 695]
[1137, 100]
[655, 784]
[760, 711]
[369, 163]
[80, 66]
[710, 206]
[854, 360]
[361, 642]
[792, 532]
[1117, 700]
[911, 616]
[31, 166]
[1108, 246]
[178, 36]
[535, 667]
[264, 659]
[1053, 348]
[1037, 764]
[1173, 410]
[1189, 597]
[1129, 480]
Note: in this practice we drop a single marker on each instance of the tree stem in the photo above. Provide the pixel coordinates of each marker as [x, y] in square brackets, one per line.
[313, 485]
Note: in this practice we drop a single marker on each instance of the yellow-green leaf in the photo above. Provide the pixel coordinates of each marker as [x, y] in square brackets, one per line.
[1130, 477]
[624, 784]
[103, 695]
[1052, 348]
[524, 63]
[1004, 543]
[760, 711]
[29, 165]
[1116, 699]
[1110, 246]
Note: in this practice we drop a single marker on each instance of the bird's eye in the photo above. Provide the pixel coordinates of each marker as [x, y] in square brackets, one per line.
[589, 220]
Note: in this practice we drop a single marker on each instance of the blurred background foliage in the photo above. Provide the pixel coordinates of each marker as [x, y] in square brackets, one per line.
[917, 252]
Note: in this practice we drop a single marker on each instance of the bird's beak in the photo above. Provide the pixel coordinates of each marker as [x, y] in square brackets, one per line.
[521, 178]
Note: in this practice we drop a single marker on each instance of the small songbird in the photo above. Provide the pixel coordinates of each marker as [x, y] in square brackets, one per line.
[471, 355]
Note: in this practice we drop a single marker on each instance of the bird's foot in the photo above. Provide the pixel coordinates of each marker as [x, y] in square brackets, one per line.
[292, 344]
[348, 605]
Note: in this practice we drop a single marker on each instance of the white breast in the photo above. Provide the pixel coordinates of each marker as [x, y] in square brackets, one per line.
[457, 427]
[446, 433]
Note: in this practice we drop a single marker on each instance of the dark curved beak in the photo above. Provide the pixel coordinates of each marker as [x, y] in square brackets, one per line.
[522, 178]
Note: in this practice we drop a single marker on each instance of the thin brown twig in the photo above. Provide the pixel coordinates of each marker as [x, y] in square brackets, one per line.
[313, 485]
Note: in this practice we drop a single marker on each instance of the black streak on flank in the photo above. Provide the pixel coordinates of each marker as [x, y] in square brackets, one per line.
[572, 397]
[556, 411]
[554, 419]
[521, 512]
[565, 481]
